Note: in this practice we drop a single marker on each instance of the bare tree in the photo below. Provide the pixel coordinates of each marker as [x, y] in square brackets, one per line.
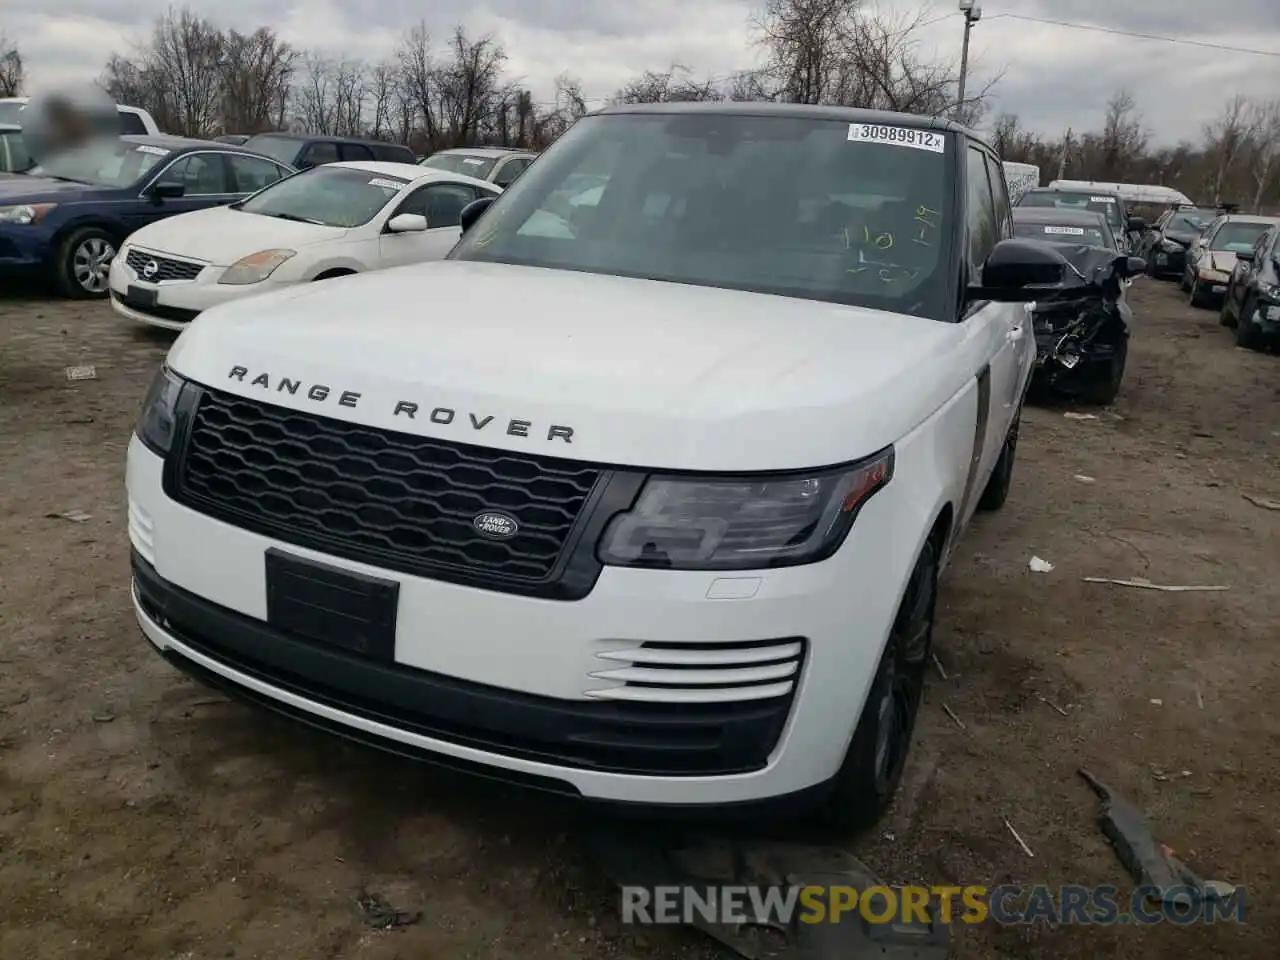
[675, 85]
[1123, 141]
[350, 87]
[257, 77]
[842, 52]
[1225, 138]
[12, 71]
[804, 41]
[750, 85]
[1264, 161]
[469, 86]
[186, 58]
[314, 99]
[1010, 140]
[383, 81]
[418, 74]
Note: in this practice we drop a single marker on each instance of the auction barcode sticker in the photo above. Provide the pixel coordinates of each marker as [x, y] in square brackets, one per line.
[1102, 199]
[386, 184]
[1066, 231]
[898, 137]
[154, 151]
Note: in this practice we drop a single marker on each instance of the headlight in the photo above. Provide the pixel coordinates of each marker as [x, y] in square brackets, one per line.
[1270, 290]
[256, 267]
[25, 213]
[156, 419]
[743, 523]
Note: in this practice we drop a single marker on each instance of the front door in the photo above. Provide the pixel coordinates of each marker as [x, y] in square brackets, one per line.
[441, 203]
[1002, 330]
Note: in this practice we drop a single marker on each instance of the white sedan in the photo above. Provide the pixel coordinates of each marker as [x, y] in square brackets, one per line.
[329, 221]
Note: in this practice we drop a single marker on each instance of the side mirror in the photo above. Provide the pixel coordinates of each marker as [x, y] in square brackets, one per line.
[1017, 270]
[1245, 256]
[168, 190]
[1137, 224]
[407, 223]
[1130, 266]
[473, 211]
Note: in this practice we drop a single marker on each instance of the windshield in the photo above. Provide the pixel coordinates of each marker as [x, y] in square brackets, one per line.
[469, 164]
[284, 149]
[13, 152]
[1238, 237]
[818, 209]
[11, 112]
[1098, 203]
[1189, 221]
[1055, 233]
[103, 163]
[329, 196]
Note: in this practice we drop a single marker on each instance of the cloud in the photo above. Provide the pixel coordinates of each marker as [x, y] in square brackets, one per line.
[1054, 77]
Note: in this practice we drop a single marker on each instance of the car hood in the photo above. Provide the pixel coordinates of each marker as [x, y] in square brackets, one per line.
[645, 373]
[21, 188]
[221, 236]
[1223, 261]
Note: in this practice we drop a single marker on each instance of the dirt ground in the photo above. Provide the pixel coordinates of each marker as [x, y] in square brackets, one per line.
[143, 817]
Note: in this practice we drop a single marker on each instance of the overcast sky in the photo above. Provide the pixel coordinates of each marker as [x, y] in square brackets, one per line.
[1054, 76]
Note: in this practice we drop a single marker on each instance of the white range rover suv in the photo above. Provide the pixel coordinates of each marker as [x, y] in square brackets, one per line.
[642, 494]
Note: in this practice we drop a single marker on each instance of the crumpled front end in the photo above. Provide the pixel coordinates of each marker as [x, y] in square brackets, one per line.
[1076, 341]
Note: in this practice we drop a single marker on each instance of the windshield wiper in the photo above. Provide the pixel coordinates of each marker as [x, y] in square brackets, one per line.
[297, 219]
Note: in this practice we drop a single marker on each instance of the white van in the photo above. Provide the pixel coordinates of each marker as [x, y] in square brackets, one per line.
[133, 120]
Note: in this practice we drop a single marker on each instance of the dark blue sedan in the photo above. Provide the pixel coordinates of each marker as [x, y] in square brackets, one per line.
[65, 219]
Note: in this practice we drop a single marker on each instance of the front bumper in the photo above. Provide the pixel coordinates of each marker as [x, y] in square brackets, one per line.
[1168, 263]
[1267, 319]
[528, 690]
[25, 250]
[177, 302]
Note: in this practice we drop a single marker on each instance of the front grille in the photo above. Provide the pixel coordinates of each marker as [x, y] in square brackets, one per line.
[394, 500]
[166, 269]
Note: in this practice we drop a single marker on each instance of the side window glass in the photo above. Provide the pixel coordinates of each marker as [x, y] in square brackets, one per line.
[510, 170]
[251, 174]
[131, 124]
[355, 151]
[981, 210]
[415, 202]
[202, 174]
[443, 203]
[319, 153]
[1000, 190]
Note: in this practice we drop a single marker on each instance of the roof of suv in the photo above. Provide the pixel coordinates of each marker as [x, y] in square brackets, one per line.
[746, 108]
[307, 137]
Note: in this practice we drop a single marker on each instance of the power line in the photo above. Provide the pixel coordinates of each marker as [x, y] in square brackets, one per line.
[1207, 44]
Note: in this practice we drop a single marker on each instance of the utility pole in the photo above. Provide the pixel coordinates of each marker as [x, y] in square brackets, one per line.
[1062, 157]
[972, 10]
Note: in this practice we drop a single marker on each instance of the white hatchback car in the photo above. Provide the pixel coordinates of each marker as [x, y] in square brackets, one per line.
[329, 221]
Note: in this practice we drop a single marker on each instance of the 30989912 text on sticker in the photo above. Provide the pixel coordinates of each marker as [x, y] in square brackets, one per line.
[898, 137]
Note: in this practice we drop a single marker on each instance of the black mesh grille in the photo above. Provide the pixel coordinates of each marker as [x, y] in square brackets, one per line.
[166, 269]
[399, 501]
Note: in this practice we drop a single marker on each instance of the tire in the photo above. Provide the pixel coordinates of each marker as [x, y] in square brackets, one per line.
[1226, 318]
[1195, 298]
[1185, 283]
[1247, 333]
[868, 778]
[84, 260]
[1104, 390]
[996, 492]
